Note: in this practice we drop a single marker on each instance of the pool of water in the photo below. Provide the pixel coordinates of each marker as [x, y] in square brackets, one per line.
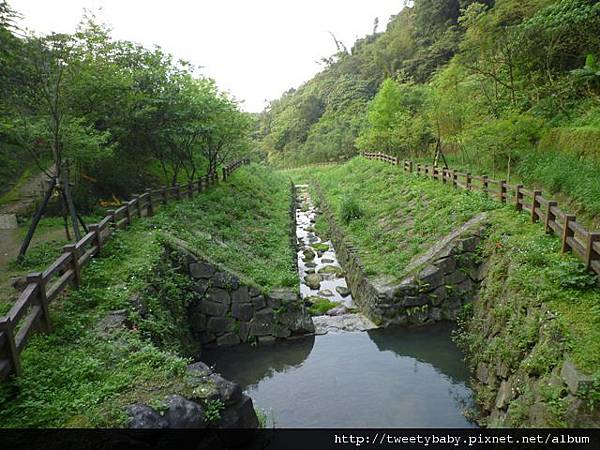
[393, 377]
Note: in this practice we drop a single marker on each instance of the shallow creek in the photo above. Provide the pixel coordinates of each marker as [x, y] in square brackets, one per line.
[350, 374]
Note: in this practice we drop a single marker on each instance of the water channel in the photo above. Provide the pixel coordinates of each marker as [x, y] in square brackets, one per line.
[350, 374]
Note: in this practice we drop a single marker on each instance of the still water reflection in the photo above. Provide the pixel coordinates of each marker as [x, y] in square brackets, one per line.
[382, 378]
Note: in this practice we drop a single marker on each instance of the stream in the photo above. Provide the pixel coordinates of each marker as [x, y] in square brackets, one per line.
[351, 373]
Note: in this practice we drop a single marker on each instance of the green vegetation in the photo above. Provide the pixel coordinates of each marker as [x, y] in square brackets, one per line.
[86, 371]
[242, 224]
[403, 214]
[506, 87]
[528, 275]
[319, 305]
[111, 108]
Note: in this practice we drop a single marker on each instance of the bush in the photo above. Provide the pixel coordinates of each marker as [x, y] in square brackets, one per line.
[351, 210]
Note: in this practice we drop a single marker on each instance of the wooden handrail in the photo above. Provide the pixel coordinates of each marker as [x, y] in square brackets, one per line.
[29, 313]
[575, 237]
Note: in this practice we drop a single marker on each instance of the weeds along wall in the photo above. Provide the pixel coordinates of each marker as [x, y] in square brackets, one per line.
[30, 311]
[574, 236]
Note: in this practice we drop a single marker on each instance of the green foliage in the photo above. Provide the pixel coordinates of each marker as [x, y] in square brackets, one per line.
[319, 306]
[111, 108]
[213, 410]
[574, 275]
[350, 209]
[242, 224]
[403, 214]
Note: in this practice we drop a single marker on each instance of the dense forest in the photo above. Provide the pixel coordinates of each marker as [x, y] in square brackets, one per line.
[120, 115]
[507, 86]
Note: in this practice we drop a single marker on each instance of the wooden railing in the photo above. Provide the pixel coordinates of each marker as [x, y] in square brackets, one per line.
[30, 311]
[574, 237]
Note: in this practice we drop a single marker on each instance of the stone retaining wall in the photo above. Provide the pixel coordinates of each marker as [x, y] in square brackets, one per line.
[227, 311]
[442, 281]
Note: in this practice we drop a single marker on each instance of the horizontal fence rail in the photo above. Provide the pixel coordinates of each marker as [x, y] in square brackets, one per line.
[30, 312]
[574, 237]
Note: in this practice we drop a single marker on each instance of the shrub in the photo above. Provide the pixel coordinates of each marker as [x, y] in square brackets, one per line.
[351, 209]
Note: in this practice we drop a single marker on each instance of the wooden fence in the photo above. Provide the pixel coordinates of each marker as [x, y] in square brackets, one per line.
[574, 236]
[30, 311]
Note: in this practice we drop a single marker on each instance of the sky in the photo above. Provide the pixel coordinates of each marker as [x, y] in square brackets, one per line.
[254, 49]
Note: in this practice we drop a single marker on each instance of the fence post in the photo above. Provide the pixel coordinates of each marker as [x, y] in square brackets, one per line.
[38, 279]
[454, 178]
[178, 191]
[567, 232]
[518, 197]
[72, 249]
[535, 204]
[113, 219]
[150, 211]
[503, 192]
[6, 326]
[593, 236]
[138, 205]
[224, 174]
[128, 213]
[468, 181]
[97, 239]
[190, 189]
[550, 216]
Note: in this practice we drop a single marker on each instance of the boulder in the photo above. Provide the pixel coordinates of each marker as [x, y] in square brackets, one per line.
[431, 276]
[240, 415]
[338, 311]
[336, 271]
[259, 301]
[230, 392]
[228, 340]
[218, 295]
[213, 308]
[183, 413]
[505, 394]
[225, 281]
[313, 281]
[309, 254]
[575, 380]
[242, 311]
[201, 270]
[240, 295]
[343, 291]
[142, 417]
[220, 324]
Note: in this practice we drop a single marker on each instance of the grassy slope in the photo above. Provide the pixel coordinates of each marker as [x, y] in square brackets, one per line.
[74, 378]
[404, 214]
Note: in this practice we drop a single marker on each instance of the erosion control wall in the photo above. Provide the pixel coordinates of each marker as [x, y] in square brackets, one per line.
[227, 312]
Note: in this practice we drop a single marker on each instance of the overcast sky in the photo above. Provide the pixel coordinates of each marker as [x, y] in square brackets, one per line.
[255, 49]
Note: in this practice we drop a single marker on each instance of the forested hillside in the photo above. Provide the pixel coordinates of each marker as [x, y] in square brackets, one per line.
[122, 116]
[501, 86]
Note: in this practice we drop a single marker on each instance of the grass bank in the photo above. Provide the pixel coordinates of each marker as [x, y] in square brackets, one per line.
[83, 373]
[391, 217]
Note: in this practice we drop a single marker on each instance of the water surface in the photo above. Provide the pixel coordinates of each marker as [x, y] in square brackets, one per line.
[389, 377]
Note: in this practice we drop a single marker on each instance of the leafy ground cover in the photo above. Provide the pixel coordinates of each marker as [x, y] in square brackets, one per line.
[82, 374]
[402, 215]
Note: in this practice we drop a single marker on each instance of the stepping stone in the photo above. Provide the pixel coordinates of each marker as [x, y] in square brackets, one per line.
[335, 270]
[327, 261]
[310, 265]
[313, 281]
[343, 291]
[326, 293]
